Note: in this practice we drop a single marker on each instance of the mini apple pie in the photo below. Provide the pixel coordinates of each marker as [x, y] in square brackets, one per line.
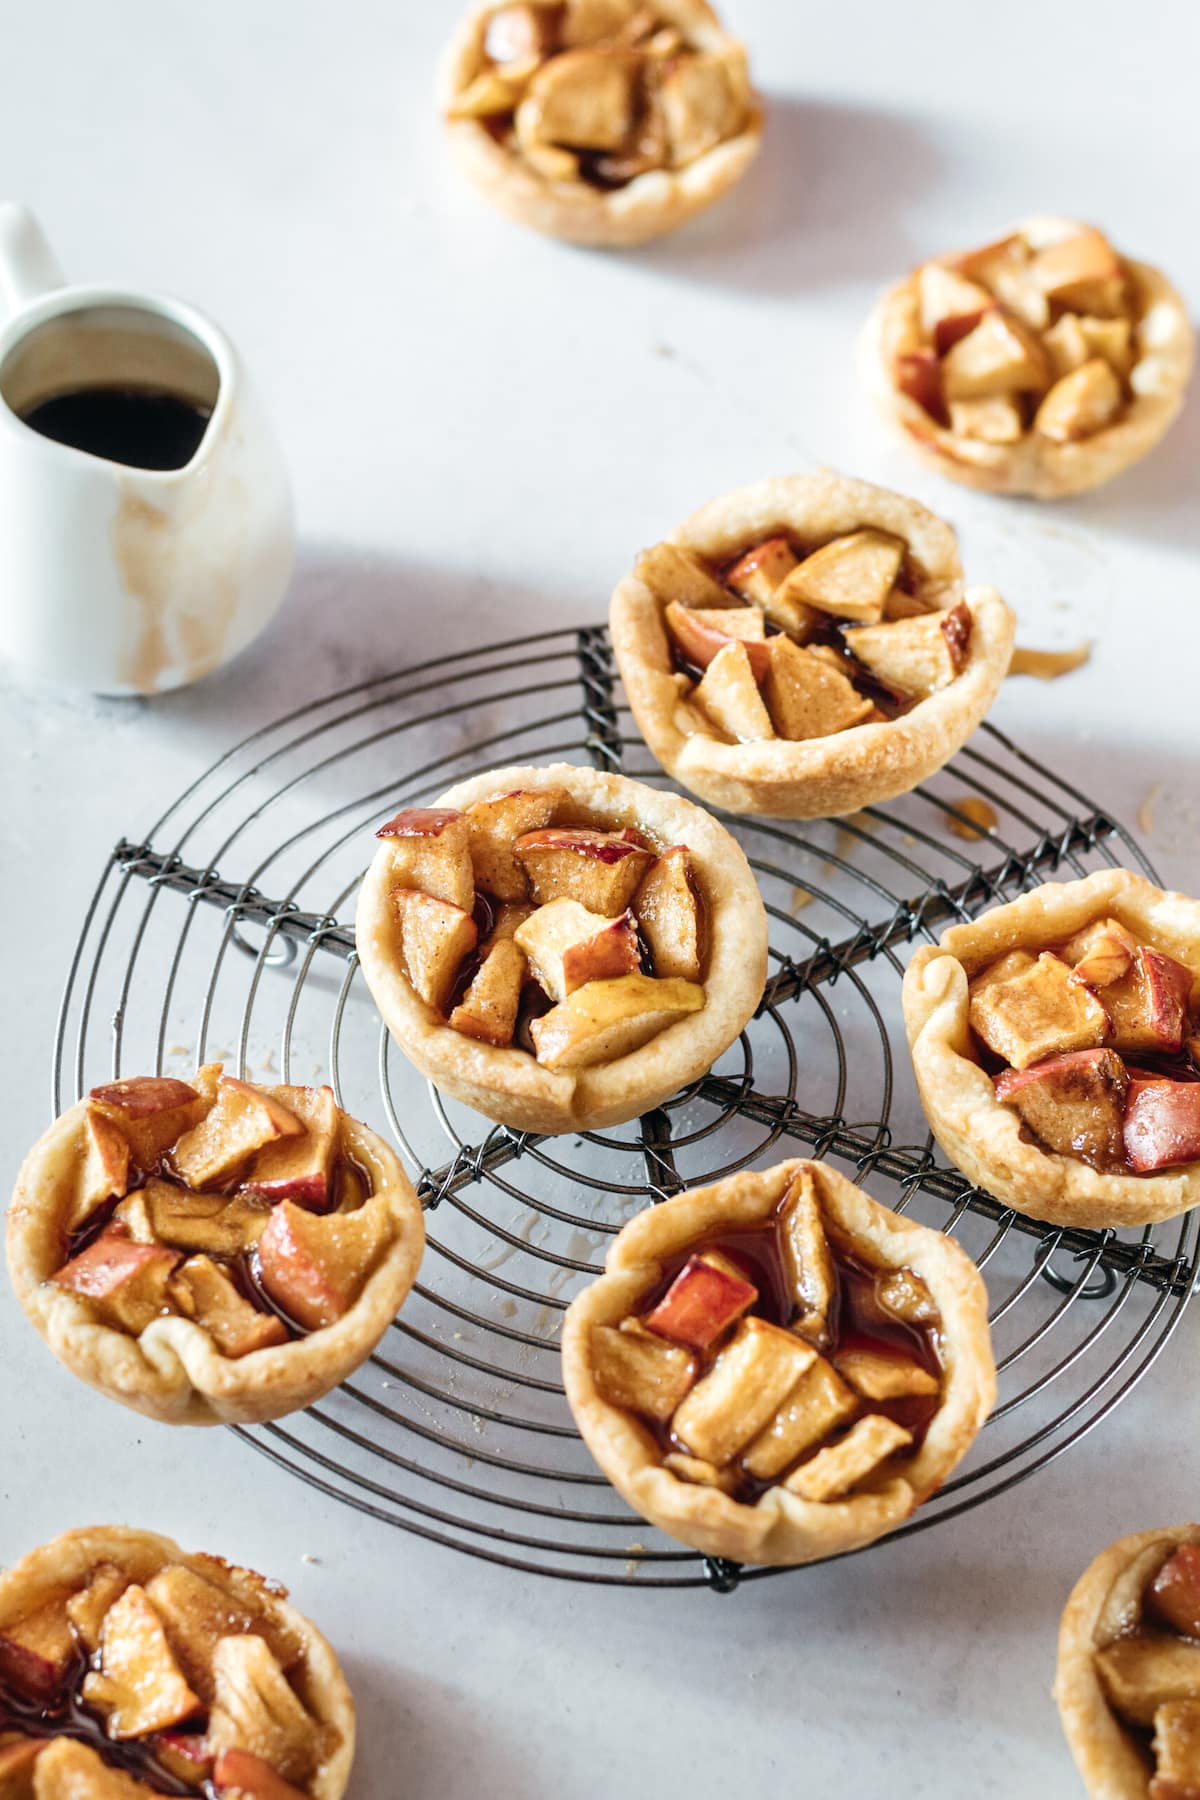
[1043, 364]
[128, 1667]
[1056, 1044]
[1128, 1679]
[211, 1252]
[558, 948]
[805, 646]
[601, 121]
[777, 1368]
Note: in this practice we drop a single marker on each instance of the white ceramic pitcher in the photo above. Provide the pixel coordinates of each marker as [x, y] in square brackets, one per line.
[116, 579]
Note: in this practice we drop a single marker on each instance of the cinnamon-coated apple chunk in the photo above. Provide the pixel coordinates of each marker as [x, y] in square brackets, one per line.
[760, 572]
[850, 577]
[808, 696]
[1148, 1006]
[728, 693]
[69, 1770]
[1148, 1670]
[151, 1111]
[237, 1775]
[1082, 272]
[903, 1294]
[668, 913]
[604, 1020]
[488, 1010]
[314, 1265]
[818, 1404]
[637, 1370]
[435, 936]
[495, 825]
[184, 1754]
[1079, 403]
[582, 99]
[996, 420]
[242, 1119]
[673, 573]
[430, 849]
[1174, 1594]
[1176, 1751]
[137, 1684]
[568, 946]
[700, 1473]
[700, 635]
[1074, 1103]
[916, 656]
[1036, 1012]
[808, 1258]
[104, 1168]
[703, 103]
[1101, 953]
[1162, 1125]
[88, 1608]
[999, 356]
[742, 1390]
[256, 1709]
[300, 1168]
[602, 870]
[708, 1295]
[162, 1213]
[839, 1467]
[877, 1375]
[197, 1614]
[125, 1283]
[37, 1650]
[203, 1292]
[944, 294]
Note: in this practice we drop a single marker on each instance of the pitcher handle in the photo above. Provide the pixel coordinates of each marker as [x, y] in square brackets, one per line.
[28, 266]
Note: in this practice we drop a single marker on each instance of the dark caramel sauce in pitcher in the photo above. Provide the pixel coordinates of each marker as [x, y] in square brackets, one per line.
[142, 427]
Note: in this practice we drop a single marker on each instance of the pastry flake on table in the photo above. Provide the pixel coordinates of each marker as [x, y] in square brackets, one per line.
[605, 122]
[1056, 1046]
[559, 948]
[211, 1251]
[806, 646]
[1043, 363]
[777, 1368]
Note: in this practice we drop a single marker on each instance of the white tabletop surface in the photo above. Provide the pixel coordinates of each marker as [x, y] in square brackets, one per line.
[482, 427]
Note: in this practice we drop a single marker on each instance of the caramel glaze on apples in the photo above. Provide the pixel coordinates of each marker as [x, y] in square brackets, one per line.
[67, 1714]
[856, 1322]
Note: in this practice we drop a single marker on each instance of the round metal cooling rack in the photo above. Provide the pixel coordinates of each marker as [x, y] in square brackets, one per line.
[225, 931]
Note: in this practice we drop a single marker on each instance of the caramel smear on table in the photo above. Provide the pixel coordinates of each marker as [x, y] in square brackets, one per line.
[980, 820]
[1048, 665]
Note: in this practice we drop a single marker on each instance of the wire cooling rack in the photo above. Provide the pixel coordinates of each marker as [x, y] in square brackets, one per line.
[226, 931]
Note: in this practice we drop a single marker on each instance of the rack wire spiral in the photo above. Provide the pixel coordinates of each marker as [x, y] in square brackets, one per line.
[225, 931]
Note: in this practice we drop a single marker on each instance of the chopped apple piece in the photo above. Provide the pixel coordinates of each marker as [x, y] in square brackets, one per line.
[568, 946]
[1112, 339]
[496, 824]
[434, 938]
[584, 99]
[1082, 272]
[431, 850]
[760, 572]
[809, 695]
[605, 1020]
[1149, 1005]
[104, 1168]
[314, 1265]
[943, 294]
[300, 1169]
[516, 33]
[672, 573]
[164, 1213]
[728, 694]
[700, 1473]
[602, 870]
[203, 1292]
[1080, 403]
[668, 912]
[708, 1295]
[703, 103]
[637, 1370]
[700, 635]
[1068, 347]
[196, 1615]
[832, 1472]
[918, 373]
[1148, 1670]
[903, 1294]
[152, 1111]
[18, 1754]
[1174, 1594]
[256, 1709]
[818, 1404]
[1039, 1012]
[947, 332]
[1074, 1103]
[69, 1770]
[240, 1776]
[918, 656]
[184, 1754]
[1176, 1751]
[488, 1010]
[996, 420]
[1000, 356]
[36, 1651]
[493, 93]
[242, 1120]
[591, 21]
[1162, 1125]
[807, 1257]
[86, 1608]
[740, 1394]
[509, 916]
[851, 576]
[138, 1685]
[126, 1283]
[1004, 267]
[877, 1375]
[1101, 953]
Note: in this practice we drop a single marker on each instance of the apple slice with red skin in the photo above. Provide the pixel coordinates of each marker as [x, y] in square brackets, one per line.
[947, 332]
[37, 1651]
[314, 1266]
[153, 1111]
[239, 1775]
[757, 574]
[300, 1169]
[104, 1169]
[700, 635]
[496, 824]
[431, 850]
[706, 1297]
[1149, 1006]
[18, 1754]
[1174, 1594]
[668, 911]
[184, 1754]
[918, 375]
[242, 1119]
[1075, 1103]
[600, 869]
[1162, 1124]
[125, 1281]
[568, 946]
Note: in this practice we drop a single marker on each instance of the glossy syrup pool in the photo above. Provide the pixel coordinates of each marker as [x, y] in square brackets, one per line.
[67, 1714]
[141, 427]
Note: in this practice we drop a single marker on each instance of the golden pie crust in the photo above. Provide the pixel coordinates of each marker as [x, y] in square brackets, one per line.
[823, 777]
[1035, 464]
[1105, 1601]
[980, 1134]
[647, 207]
[173, 1371]
[68, 1561]
[508, 1084]
[780, 1528]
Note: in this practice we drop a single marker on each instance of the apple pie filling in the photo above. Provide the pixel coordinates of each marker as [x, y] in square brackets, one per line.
[1150, 1669]
[789, 641]
[523, 923]
[179, 1683]
[602, 91]
[1095, 1043]
[772, 1355]
[230, 1205]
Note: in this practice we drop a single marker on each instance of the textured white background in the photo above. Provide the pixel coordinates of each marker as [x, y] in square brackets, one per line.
[482, 428]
